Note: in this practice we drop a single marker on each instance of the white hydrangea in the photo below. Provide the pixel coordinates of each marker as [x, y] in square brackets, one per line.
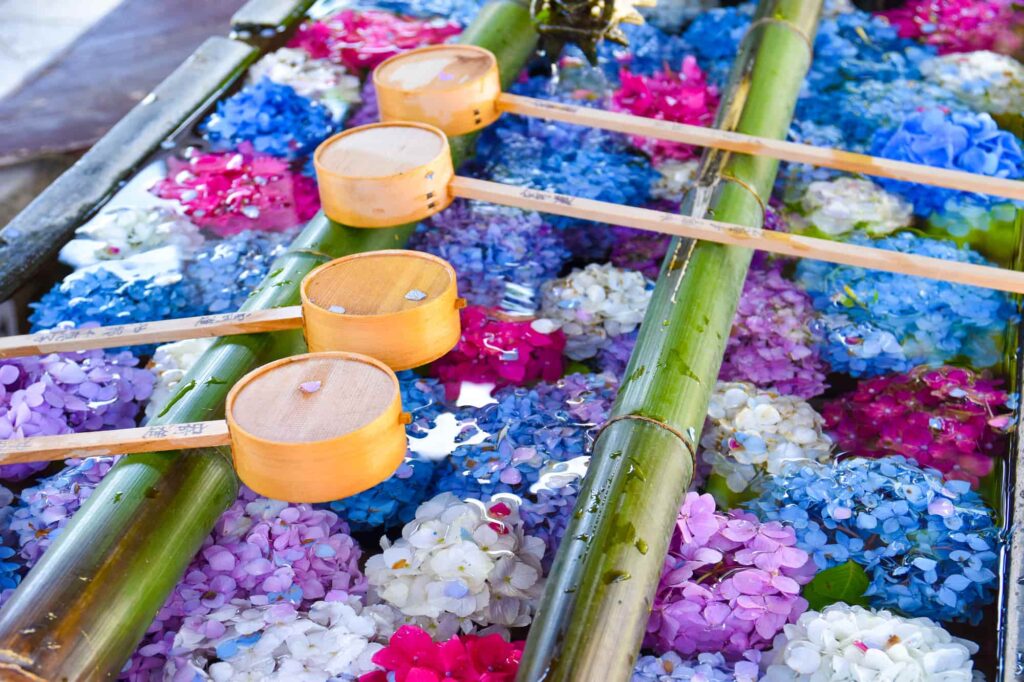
[675, 177]
[838, 206]
[850, 643]
[463, 562]
[750, 431]
[123, 232]
[985, 80]
[170, 363]
[593, 304]
[319, 79]
[239, 641]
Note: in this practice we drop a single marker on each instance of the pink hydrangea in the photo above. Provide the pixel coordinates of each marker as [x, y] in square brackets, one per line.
[959, 25]
[362, 40]
[683, 97]
[772, 343]
[947, 418]
[235, 191]
[501, 352]
[412, 656]
[262, 550]
[729, 583]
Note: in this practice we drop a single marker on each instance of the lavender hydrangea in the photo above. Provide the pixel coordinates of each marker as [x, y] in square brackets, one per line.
[929, 545]
[225, 273]
[706, 667]
[271, 118]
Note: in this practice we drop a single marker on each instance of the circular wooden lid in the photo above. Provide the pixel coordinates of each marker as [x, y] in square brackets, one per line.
[381, 150]
[379, 282]
[440, 67]
[312, 398]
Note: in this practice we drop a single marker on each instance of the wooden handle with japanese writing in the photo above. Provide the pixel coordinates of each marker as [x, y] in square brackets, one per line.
[163, 331]
[760, 146]
[738, 235]
[119, 442]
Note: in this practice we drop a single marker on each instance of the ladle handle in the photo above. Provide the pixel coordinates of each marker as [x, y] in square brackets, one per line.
[163, 331]
[760, 146]
[737, 235]
[119, 442]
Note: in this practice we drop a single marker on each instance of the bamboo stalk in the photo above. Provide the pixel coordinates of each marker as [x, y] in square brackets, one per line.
[81, 611]
[700, 136]
[117, 442]
[598, 595]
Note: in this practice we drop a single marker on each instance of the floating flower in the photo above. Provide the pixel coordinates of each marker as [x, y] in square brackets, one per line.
[320, 80]
[227, 272]
[491, 248]
[593, 304]
[932, 321]
[729, 583]
[122, 232]
[985, 80]
[957, 141]
[750, 433]
[836, 207]
[501, 352]
[706, 667]
[928, 545]
[462, 562]
[231, 192]
[946, 418]
[363, 39]
[853, 643]
[683, 97]
[268, 118]
[412, 656]
[773, 341]
[859, 348]
[958, 25]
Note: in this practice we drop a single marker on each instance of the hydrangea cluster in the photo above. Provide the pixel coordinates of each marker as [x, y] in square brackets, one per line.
[68, 392]
[10, 571]
[985, 80]
[413, 656]
[265, 551]
[269, 118]
[958, 141]
[650, 49]
[714, 37]
[169, 364]
[846, 642]
[958, 25]
[369, 111]
[491, 248]
[613, 358]
[639, 250]
[278, 642]
[526, 431]
[837, 207]
[123, 232]
[928, 545]
[683, 97]
[793, 178]
[45, 508]
[502, 352]
[320, 80]
[750, 433]
[729, 583]
[362, 40]
[675, 177]
[231, 192]
[460, 563]
[226, 272]
[394, 501]
[946, 418]
[930, 320]
[593, 304]
[548, 507]
[773, 342]
[707, 667]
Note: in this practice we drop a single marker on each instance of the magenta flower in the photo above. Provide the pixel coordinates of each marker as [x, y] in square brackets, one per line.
[959, 25]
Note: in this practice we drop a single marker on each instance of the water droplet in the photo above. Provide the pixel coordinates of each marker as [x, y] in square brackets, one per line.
[616, 575]
[415, 295]
[641, 545]
[251, 212]
[337, 309]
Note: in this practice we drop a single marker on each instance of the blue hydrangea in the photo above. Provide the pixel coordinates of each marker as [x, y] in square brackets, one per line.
[707, 667]
[492, 247]
[460, 11]
[10, 571]
[226, 272]
[959, 141]
[933, 321]
[272, 118]
[525, 431]
[714, 38]
[393, 502]
[650, 50]
[929, 546]
[793, 178]
[859, 348]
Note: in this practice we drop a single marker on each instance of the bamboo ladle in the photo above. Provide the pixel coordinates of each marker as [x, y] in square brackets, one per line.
[457, 89]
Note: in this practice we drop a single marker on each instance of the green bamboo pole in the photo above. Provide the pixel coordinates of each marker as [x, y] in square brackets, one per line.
[598, 597]
[84, 607]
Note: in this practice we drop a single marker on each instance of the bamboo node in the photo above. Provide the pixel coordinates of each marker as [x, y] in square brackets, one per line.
[671, 429]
